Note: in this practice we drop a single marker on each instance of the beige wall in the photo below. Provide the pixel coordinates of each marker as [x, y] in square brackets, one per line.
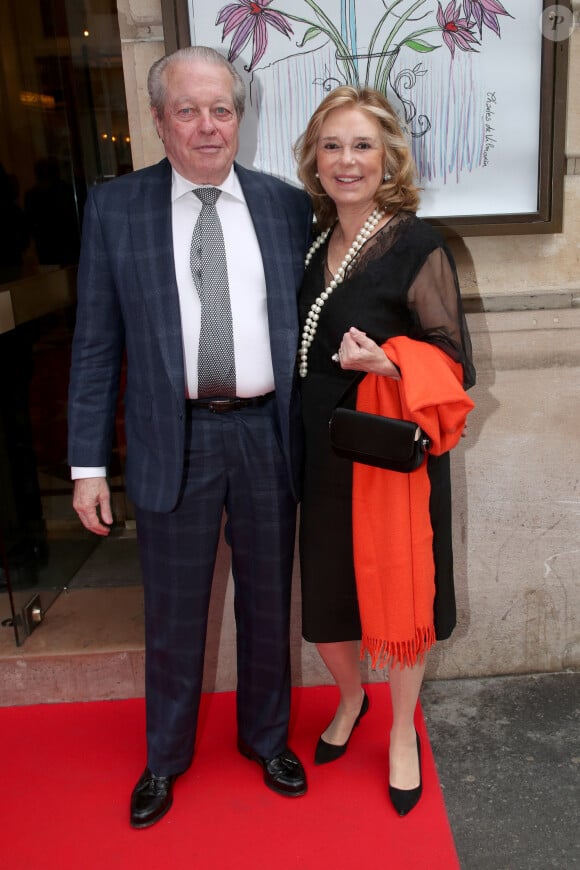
[516, 476]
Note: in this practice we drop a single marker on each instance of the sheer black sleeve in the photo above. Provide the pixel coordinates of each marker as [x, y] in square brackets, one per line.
[435, 301]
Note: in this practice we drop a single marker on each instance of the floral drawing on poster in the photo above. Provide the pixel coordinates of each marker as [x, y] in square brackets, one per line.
[448, 69]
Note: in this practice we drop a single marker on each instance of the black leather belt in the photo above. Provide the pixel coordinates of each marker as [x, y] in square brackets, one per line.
[225, 403]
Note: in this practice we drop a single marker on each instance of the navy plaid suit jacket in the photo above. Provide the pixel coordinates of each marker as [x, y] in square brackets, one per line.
[128, 301]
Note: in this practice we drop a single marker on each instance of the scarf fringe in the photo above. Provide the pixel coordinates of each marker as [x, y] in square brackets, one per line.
[405, 653]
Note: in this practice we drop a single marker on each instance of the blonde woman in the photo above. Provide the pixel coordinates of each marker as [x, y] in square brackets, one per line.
[380, 298]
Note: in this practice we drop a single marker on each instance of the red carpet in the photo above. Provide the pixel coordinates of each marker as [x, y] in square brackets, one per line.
[68, 770]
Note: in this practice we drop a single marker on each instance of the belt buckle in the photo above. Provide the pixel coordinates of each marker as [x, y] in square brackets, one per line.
[218, 406]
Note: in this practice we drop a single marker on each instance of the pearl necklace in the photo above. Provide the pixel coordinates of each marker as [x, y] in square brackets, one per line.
[311, 324]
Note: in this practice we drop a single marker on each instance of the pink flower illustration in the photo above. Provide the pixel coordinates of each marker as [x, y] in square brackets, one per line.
[249, 19]
[456, 30]
[484, 12]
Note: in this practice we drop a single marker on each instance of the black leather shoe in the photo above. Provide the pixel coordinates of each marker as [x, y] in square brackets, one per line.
[284, 773]
[405, 799]
[326, 752]
[151, 799]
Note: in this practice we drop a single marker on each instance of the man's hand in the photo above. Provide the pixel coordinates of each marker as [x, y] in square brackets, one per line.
[92, 502]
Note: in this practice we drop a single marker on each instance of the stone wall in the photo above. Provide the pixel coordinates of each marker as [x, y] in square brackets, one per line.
[516, 475]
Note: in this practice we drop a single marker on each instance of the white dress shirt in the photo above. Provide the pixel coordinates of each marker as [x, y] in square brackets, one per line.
[247, 284]
[254, 372]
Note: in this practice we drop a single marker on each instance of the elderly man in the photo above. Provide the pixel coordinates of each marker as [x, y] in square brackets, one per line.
[192, 268]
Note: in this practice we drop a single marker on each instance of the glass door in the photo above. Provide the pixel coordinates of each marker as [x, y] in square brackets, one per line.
[64, 128]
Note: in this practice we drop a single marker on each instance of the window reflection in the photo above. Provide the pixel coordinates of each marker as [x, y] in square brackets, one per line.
[64, 128]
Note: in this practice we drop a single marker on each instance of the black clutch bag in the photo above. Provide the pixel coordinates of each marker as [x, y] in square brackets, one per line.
[397, 445]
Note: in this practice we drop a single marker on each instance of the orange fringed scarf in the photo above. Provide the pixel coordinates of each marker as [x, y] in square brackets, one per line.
[393, 538]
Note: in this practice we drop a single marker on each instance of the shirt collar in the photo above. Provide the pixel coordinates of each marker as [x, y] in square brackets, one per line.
[180, 186]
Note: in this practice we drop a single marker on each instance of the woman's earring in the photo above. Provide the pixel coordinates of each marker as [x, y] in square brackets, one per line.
[316, 175]
[386, 177]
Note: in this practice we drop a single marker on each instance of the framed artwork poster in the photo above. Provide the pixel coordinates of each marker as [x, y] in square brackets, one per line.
[479, 87]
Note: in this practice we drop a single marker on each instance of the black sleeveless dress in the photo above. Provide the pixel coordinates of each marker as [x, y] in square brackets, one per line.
[403, 282]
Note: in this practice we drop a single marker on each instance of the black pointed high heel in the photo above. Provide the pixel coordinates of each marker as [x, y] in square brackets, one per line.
[405, 799]
[326, 752]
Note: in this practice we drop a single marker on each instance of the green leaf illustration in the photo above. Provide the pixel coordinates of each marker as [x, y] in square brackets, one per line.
[311, 33]
[419, 45]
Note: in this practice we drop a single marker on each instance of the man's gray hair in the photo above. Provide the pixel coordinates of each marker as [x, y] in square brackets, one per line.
[156, 78]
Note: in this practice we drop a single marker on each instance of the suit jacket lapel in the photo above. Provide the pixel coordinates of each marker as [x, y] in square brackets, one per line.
[271, 227]
[154, 260]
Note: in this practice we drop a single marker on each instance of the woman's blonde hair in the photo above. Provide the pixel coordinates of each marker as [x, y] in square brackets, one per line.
[398, 191]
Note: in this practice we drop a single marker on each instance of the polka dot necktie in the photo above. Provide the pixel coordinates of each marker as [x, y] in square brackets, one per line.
[216, 362]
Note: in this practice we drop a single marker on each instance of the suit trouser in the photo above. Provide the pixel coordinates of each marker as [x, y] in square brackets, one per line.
[232, 460]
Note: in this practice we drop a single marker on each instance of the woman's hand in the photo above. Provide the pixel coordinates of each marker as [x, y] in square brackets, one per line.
[360, 353]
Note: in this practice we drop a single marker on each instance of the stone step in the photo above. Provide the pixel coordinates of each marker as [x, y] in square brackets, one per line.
[89, 647]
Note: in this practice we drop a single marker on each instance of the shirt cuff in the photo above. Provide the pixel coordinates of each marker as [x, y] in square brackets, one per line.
[77, 472]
